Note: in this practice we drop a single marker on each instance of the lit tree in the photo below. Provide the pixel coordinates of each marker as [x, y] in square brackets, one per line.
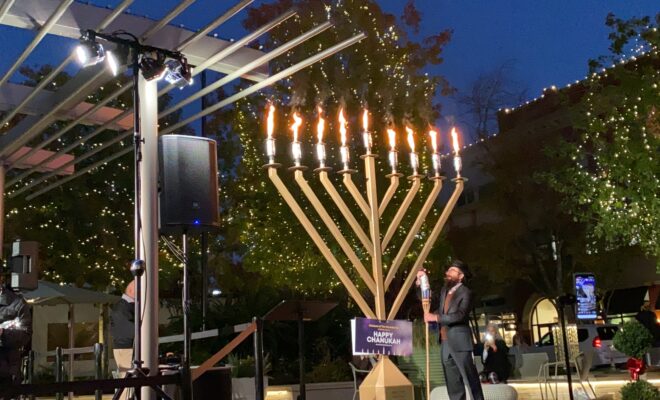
[85, 227]
[383, 72]
[612, 179]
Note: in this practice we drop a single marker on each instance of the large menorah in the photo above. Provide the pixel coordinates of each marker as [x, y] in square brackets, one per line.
[374, 243]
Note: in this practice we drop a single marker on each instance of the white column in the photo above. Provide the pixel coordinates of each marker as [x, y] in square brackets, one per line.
[149, 221]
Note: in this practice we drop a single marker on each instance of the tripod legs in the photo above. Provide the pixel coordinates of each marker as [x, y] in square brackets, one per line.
[140, 373]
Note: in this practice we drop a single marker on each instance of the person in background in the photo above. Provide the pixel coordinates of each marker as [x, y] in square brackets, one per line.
[495, 357]
[15, 331]
[520, 347]
[122, 329]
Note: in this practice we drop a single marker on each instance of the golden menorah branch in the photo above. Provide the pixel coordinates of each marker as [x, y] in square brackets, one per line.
[414, 230]
[374, 230]
[394, 184]
[353, 190]
[334, 230]
[346, 212]
[322, 246]
[433, 236]
[394, 225]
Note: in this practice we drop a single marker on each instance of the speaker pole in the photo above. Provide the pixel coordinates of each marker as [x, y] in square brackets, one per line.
[185, 300]
[205, 278]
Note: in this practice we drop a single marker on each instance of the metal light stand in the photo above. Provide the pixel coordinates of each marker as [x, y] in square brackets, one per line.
[138, 265]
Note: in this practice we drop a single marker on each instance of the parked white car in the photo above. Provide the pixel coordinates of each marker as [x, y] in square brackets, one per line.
[595, 340]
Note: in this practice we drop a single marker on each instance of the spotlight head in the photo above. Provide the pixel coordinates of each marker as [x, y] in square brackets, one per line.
[152, 68]
[179, 73]
[90, 52]
[111, 62]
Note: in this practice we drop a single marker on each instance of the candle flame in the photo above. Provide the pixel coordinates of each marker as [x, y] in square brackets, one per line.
[392, 136]
[411, 138]
[365, 120]
[297, 122]
[434, 140]
[342, 126]
[320, 127]
[270, 121]
[454, 139]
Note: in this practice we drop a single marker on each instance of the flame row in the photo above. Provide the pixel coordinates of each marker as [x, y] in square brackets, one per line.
[343, 128]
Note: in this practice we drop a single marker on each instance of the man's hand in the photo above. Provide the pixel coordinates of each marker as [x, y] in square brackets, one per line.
[430, 317]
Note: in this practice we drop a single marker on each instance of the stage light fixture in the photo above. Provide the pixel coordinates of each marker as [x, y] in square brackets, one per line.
[152, 68]
[89, 52]
[179, 73]
[112, 62]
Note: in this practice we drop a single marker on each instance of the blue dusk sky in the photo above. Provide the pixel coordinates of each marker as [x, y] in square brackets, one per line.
[546, 42]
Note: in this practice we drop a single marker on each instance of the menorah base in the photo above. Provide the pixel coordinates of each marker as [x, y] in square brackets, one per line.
[386, 382]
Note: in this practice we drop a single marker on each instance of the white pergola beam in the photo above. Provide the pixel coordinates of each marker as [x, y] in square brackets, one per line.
[44, 29]
[70, 94]
[12, 94]
[25, 13]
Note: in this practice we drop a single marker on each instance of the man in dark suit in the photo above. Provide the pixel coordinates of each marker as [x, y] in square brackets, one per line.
[455, 333]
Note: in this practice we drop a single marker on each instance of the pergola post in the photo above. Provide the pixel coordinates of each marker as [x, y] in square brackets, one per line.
[148, 111]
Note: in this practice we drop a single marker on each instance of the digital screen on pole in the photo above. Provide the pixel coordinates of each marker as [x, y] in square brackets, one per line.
[585, 293]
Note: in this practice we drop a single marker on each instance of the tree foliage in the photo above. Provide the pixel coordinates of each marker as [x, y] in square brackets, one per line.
[85, 227]
[384, 72]
[612, 177]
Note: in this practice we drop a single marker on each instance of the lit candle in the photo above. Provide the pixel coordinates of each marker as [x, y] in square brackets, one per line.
[366, 136]
[296, 149]
[270, 141]
[435, 157]
[458, 163]
[343, 150]
[393, 153]
[320, 146]
[414, 160]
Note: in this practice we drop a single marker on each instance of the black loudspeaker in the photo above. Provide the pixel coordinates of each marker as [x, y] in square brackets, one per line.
[24, 265]
[188, 184]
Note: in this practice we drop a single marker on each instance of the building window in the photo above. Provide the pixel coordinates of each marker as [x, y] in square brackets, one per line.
[544, 316]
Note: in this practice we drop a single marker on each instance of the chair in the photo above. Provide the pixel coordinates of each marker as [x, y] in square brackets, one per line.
[580, 362]
[357, 371]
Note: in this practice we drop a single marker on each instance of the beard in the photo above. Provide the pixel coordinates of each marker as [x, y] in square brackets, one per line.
[450, 282]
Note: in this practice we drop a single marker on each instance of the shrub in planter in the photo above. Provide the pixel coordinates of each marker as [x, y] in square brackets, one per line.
[639, 390]
[336, 370]
[633, 339]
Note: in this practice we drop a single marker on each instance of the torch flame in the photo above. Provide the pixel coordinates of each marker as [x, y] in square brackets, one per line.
[320, 127]
[392, 136]
[454, 139]
[411, 138]
[342, 126]
[434, 140]
[297, 122]
[270, 122]
[365, 120]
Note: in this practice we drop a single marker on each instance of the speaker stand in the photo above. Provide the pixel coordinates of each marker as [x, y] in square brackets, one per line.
[185, 299]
